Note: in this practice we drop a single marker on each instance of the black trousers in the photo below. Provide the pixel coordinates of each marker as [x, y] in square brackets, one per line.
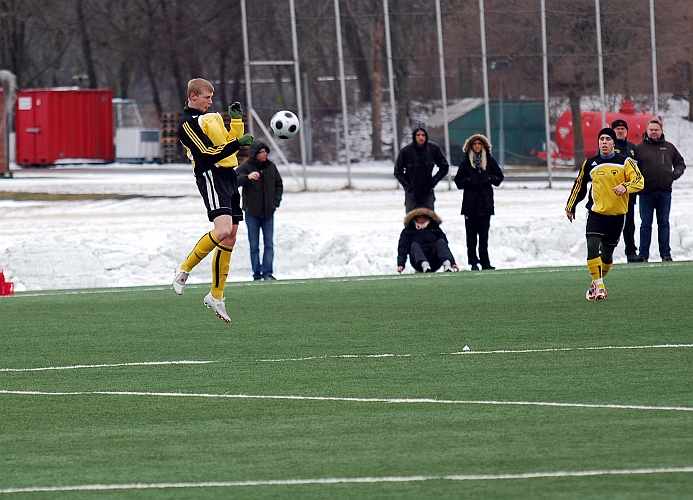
[477, 227]
[441, 253]
[629, 227]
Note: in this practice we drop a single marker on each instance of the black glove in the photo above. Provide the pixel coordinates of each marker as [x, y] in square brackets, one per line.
[246, 140]
[235, 111]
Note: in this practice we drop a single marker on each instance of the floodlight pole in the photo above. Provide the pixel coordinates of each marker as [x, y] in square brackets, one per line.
[545, 70]
[484, 68]
[443, 87]
[391, 81]
[342, 88]
[653, 42]
[600, 54]
[299, 100]
[246, 67]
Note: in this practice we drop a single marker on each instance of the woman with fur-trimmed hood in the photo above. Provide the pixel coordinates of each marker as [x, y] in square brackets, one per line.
[424, 242]
[477, 175]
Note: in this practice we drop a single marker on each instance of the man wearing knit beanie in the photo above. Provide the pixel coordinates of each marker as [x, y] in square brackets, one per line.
[627, 148]
[613, 177]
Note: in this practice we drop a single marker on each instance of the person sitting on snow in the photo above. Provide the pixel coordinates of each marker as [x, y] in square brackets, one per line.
[424, 242]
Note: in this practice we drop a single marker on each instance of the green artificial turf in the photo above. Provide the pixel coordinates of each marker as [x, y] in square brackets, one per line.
[363, 342]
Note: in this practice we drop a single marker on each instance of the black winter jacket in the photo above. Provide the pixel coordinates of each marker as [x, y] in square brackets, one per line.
[626, 148]
[414, 166]
[478, 183]
[261, 197]
[426, 237]
[661, 164]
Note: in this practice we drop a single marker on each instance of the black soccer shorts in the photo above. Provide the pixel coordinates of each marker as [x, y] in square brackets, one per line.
[219, 190]
[606, 227]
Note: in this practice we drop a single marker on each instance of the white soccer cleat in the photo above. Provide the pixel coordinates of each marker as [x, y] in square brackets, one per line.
[591, 292]
[179, 280]
[218, 306]
[447, 267]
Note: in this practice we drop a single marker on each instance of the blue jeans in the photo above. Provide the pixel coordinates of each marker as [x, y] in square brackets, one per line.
[649, 202]
[254, 225]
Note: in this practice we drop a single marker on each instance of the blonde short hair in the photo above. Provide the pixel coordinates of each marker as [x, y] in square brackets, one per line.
[199, 85]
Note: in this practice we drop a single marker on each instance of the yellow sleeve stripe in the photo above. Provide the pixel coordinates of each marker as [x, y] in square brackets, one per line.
[204, 149]
[638, 176]
[576, 187]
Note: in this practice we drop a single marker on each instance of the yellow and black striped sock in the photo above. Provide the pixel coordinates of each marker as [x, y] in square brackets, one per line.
[202, 249]
[220, 270]
[606, 268]
[595, 267]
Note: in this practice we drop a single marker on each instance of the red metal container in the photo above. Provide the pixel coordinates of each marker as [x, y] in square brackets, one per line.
[592, 124]
[63, 124]
[6, 287]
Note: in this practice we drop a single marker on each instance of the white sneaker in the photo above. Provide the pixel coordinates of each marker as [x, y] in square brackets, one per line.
[447, 267]
[179, 280]
[425, 266]
[218, 306]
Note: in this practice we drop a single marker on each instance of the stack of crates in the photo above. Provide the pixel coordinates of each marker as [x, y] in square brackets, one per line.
[171, 149]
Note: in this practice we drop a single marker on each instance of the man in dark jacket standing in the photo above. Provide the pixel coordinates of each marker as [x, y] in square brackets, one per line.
[623, 146]
[477, 175]
[424, 242]
[660, 164]
[262, 193]
[414, 169]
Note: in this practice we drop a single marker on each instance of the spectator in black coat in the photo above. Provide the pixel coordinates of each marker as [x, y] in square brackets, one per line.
[477, 175]
[414, 169]
[262, 193]
[626, 148]
[424, 242]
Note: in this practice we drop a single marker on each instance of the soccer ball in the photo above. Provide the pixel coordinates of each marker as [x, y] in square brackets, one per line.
[284, 124]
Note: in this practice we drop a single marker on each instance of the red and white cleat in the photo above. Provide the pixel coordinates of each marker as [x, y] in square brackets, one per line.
[601, 293]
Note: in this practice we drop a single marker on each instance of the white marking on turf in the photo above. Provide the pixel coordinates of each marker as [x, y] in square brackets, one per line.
[353, 480]
[558, 349]
[349, 399]
[340, 356]
[500, 351]
[111, 365]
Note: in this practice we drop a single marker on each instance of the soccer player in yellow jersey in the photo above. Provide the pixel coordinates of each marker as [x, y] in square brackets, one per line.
[613, 177]
[212, 150]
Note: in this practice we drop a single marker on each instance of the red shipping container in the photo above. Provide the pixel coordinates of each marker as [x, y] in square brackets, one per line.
[64, 123]
[6, 287]
[592, 124]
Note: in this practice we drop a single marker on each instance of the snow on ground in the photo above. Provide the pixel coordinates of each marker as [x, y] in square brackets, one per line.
[324, 231]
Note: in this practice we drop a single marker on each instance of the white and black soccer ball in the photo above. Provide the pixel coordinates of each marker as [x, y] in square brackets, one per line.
[284, 124]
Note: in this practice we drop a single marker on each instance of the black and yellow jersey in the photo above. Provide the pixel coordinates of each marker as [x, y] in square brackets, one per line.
[206, 140]
[605, 174]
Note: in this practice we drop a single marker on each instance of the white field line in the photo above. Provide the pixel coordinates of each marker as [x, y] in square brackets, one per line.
[353, 480]
[501, 351]
[111, 365]
[348, 399]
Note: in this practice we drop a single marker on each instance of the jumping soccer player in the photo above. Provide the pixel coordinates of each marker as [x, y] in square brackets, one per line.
[613, 177]
[212, 150]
